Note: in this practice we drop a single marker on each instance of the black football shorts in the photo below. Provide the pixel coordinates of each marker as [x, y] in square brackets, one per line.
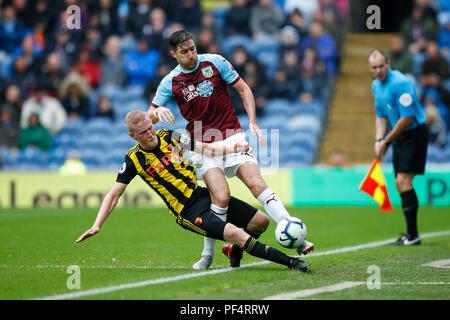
[197, 217]
[410, 151]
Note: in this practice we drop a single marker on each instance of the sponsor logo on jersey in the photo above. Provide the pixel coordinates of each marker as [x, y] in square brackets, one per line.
[205, 89]
[189, 93]
[173, 158]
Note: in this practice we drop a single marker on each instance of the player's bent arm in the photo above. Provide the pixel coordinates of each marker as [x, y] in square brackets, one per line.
[247, 97]
[380, 128]
[380, 131]
[402, 124]
[212, 150]
[108, 204]
[249, 104]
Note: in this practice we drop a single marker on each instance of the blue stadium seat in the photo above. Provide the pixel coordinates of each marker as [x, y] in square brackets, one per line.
[277, 106]
[435, 154]
[300, 155]
[219, 16]
[97, 141]
[274, 122]
[133, 92]
[123, 141]
[65, 140]
[9, 157]
[270, 60]
[306, 122]
[229, 43]
[58, 155]
[244, 121]
[32, 157]
[90, 158]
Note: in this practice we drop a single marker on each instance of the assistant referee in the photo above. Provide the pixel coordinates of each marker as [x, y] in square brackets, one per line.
[396, 104]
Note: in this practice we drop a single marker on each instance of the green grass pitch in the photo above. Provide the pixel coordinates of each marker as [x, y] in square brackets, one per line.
[138, 246]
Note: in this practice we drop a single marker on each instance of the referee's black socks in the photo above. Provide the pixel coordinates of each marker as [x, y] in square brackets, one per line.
[410, 205]
[260, 250]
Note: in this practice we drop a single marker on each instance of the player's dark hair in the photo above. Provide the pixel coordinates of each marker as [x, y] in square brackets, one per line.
[178, 38]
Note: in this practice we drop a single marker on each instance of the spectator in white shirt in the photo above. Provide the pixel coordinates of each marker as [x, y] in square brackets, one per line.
[50, 111]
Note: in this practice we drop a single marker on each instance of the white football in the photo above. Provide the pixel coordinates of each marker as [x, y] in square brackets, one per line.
[291, 232]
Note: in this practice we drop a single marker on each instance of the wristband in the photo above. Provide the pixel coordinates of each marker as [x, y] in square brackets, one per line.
[379, 140]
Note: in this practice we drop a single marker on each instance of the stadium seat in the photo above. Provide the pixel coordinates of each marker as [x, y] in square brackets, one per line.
[95, 141]
[219, 16]
[56, 157]
[90, 158]
[435, 154]
[307, 122]
[32, 156]
[123, 141]
[133, 92]
[229, 43]
[278, 105]
[297, 155]
[66, 140]
[9, 158]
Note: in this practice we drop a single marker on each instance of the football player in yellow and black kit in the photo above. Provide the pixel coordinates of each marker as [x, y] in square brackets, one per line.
[158, 159]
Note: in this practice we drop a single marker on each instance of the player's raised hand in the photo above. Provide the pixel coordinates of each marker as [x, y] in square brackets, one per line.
[254, 129]
[92, 231]
[165, 115]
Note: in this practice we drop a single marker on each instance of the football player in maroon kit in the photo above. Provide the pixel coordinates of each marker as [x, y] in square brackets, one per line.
[199, 85]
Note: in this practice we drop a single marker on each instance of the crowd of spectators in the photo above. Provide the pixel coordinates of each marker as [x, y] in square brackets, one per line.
[49, 70]
[421, 50]
[51, 74]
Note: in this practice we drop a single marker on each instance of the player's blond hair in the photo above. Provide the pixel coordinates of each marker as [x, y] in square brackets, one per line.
[134, 117]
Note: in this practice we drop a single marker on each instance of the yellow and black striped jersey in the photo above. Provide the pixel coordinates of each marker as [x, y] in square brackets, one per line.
[164, 169]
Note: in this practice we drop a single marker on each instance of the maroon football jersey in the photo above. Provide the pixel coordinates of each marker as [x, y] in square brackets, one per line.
[202, 96]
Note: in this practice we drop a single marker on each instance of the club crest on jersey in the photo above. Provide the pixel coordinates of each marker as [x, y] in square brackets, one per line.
[205, 89]
[207, 72]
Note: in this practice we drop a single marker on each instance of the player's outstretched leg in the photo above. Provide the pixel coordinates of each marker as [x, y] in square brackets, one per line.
[234, 254]
[257, 249]
[220, 195]
[209, 243]
[250, 174]
[207, 255]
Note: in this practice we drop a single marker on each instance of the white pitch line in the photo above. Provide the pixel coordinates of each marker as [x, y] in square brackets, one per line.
[96, 291]
[309, 292]
[438, 264]
[50, 266]
[340, 286]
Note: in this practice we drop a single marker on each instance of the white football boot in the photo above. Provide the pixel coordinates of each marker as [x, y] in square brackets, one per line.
[305, 248]
[203, 263]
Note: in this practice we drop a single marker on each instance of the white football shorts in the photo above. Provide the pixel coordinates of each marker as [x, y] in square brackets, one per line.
[229, 163]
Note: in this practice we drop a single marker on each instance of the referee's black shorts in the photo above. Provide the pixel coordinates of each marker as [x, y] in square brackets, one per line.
[410, 151]
[197, 217]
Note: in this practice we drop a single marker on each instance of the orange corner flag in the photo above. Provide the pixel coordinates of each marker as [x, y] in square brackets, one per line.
[375, 186]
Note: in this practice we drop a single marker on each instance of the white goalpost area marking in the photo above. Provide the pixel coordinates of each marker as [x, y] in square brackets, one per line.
[132, 285]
